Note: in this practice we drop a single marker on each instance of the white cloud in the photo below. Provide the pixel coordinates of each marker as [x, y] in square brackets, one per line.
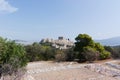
[5, 7]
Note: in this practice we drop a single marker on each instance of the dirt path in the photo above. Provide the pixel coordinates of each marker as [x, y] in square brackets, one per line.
[71, 71]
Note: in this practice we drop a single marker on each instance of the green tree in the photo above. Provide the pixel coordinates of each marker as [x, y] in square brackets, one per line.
[83, 40]
[12, 57]
[87, 49]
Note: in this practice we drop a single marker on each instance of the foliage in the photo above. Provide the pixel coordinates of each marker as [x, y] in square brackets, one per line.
[12, 57]
[40, 51]
[90, 54]
[60, 56]
[115, 51]
[99, 47]
[88, 49]
[70, 54]
[37, 52]
[83, 40]
[105, 55]
[32, 52]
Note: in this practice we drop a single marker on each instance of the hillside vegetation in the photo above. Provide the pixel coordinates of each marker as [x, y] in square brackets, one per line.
[85, 49]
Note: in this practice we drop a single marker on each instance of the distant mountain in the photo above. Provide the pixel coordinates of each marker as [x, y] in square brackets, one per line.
[110, 42]
[23, 42]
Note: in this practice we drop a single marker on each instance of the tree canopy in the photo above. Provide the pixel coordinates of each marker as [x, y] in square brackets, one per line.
[85, 45]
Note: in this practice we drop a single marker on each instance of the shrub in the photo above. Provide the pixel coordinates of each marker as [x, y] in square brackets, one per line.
[60, 56]
[12, 57]
[90, 54]
[105, 55]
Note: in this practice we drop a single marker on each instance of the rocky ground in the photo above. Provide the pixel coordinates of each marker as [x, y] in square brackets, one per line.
[107, 70]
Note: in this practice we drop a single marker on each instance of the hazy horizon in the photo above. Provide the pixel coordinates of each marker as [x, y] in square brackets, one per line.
[34, 20]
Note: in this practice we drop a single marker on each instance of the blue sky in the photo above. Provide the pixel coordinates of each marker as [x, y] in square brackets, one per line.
[37, 19]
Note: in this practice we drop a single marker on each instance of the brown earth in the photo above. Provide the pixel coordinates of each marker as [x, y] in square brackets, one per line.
[71, 71]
